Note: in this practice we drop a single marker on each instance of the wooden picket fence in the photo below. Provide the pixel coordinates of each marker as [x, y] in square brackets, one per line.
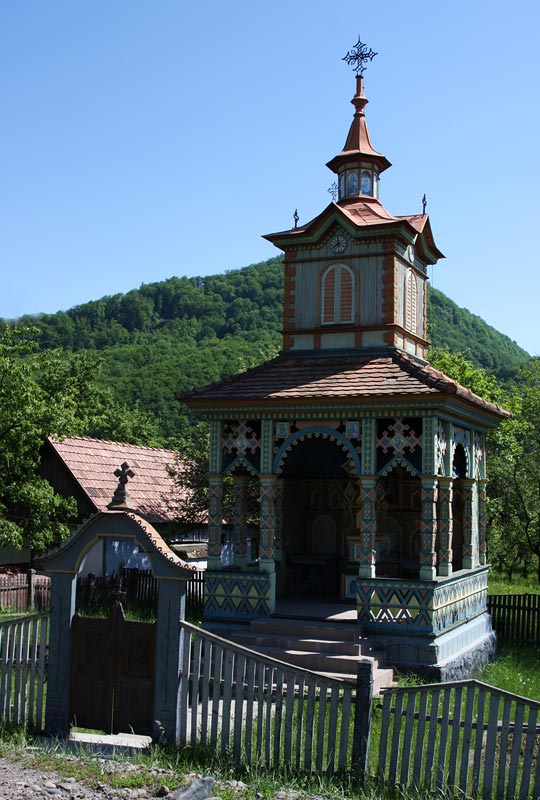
[137, 583]
[516, 617]
[463, 736]
[24, 591]
[264, 711]
[23, 653]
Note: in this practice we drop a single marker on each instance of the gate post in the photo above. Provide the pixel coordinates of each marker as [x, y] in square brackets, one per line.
[171, 609]
[362, 719]
[63, 593]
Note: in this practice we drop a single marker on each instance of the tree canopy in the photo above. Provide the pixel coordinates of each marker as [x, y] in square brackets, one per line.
[49, 393]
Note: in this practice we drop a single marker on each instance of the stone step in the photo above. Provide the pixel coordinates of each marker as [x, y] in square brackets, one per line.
[253, 640]
[307, 629]
[331, 649]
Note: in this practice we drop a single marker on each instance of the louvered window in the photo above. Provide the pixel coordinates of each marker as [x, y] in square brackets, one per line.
[411, 302]
[337, 295]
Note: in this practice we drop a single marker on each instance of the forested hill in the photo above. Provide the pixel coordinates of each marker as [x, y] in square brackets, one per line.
[183, 332]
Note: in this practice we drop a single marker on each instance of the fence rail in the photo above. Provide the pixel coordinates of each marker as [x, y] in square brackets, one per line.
[262, 710]
[23, 646]
[139, 584]
[464, 736]
[26, 590]
[516, 617]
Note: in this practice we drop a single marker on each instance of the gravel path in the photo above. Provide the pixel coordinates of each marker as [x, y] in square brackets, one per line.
[20, 782]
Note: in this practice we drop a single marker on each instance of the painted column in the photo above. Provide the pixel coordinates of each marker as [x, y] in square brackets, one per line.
[470, 526]
[368, 526]
[240, 527]
[267, 524]
[428, 555]
[446, 525]
[280, 544]
[171, 609]
[63, 594]
[215, 520]
[482, 520]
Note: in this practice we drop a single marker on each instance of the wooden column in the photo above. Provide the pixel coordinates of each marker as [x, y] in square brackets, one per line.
[215, 520]
[470, 527]
[267, 523]
[428, 555]
[240, 519]
[368, 526]
[63, 593]
[169, 640]
[280, 544]
[482, 520]
[446, 525]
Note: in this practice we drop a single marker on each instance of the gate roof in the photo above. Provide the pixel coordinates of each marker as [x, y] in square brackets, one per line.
[118, 524]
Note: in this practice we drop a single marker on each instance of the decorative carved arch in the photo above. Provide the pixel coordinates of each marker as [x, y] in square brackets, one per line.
[399, 461]
[316, 432]
[241, 461]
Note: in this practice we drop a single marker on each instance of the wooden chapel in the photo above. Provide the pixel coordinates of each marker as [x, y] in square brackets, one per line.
[369, 463]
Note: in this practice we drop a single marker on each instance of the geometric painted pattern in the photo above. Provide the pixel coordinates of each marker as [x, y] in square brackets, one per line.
[240, 437]
[398, 437]
[236, 595]
[420, 607]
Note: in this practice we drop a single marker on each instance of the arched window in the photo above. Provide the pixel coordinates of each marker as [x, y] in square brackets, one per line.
[352, 183]
[366, 183]
[338, 290]
[411, 302]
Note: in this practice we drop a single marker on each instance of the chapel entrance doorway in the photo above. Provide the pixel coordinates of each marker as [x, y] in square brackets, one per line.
[318, 516]
[113, 673]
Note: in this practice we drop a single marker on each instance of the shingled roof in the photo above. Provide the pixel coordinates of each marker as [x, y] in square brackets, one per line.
[334, 378]
[92, 463]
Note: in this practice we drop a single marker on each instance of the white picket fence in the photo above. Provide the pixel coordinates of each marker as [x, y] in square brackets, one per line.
[23, 653]
[464, 736]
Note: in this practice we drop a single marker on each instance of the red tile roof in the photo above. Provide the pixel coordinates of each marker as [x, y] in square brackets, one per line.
[346, 378]
[92, 462]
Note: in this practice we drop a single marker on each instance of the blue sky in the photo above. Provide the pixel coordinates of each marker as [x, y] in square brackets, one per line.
[141, 140]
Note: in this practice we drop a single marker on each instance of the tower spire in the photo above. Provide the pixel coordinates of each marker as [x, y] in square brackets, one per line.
[359, 165]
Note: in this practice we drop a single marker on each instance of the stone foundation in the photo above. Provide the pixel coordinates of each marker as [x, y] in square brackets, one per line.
[455, 655]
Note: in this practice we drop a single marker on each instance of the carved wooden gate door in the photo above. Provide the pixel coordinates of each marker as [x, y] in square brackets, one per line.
[113, 673]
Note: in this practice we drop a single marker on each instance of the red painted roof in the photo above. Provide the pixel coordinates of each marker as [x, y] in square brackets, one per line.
[92, 462]
[358, 142]
[325, 378]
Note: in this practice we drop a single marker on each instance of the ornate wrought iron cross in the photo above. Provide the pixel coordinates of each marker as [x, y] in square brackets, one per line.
[333, 190]
[359, 56]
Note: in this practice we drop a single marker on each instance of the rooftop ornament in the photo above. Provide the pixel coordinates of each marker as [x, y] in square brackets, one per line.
[359, 56]
[121, 497]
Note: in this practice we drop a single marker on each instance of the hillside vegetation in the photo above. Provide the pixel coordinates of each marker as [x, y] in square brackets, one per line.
[183, 332]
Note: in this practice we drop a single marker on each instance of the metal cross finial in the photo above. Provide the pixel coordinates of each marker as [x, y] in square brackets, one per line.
[333, 191]
[424, 204]
[296, 217]
[359, 56]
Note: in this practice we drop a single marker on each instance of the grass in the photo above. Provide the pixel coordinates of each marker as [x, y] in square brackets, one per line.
[515, 670]
[499, 584]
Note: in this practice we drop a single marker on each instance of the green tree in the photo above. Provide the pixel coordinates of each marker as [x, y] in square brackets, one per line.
[513, 453]
[516, 476]
[47, 393]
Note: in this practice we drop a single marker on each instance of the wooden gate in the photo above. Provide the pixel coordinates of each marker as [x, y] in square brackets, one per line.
[113, 673]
